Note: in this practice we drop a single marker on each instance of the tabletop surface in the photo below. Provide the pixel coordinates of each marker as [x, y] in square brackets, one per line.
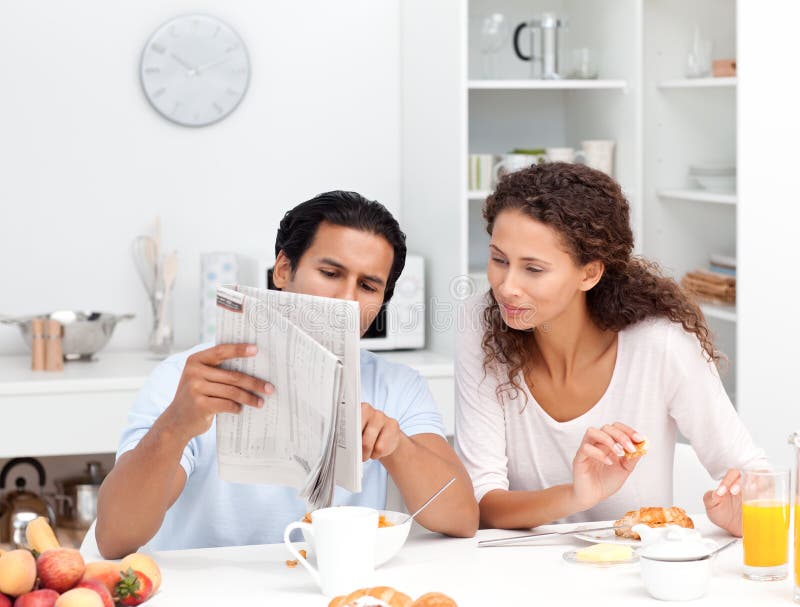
[520, 575]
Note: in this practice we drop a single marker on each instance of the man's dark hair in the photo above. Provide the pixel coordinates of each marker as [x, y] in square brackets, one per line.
[347, 209]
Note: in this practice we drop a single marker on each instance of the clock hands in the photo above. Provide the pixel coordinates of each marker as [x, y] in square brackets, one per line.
[214, 63]
[192, 70]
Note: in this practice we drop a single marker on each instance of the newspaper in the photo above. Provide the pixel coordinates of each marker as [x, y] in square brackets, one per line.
[308, 434]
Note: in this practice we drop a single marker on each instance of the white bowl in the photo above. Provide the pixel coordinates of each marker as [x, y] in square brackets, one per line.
[389, 540]
[676, 581]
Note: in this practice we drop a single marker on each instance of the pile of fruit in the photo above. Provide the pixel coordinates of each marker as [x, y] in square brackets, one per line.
[48, 575]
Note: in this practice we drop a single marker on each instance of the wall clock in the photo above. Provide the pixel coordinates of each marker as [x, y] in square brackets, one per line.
[195, 70]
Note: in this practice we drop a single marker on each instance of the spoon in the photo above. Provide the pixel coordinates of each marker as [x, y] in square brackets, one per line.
[426, 504]
[692, 558]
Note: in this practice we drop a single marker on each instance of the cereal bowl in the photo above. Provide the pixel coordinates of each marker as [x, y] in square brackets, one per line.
[388, 539]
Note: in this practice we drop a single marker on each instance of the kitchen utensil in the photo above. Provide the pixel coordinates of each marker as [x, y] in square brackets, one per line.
[698, 61]
[162, 335]
[145, 258]
[533, 536]
[494, 34]
[509, 163]
[83, 334]
[430, 499]
[76, 497]
[584, 64]
[544, 48]
[684, 559]
[599, 154]
[21, 506]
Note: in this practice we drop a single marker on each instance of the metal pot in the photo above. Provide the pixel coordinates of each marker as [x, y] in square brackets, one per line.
[76, 497]
[83, 333]
[20, 507]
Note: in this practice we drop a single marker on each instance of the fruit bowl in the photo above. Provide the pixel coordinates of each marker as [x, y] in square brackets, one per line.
[389, 540]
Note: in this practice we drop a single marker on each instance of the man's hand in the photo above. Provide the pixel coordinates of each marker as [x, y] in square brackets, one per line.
[205, 390]
[380, 435]
[724, 504]
[600, 467]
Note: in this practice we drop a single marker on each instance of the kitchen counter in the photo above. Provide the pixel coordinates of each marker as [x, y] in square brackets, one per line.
[520, 575]
[84, 408]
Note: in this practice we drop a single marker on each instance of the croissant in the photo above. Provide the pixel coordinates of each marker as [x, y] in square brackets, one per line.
[434, 599]
[652, 517]
[388, 595]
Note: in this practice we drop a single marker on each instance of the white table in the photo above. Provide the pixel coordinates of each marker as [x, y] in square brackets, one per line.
[533, 575]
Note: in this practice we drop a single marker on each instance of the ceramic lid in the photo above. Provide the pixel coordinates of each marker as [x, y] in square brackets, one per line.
[676, 542]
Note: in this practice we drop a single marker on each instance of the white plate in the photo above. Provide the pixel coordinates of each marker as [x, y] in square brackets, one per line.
[606, 536]
[571, 557]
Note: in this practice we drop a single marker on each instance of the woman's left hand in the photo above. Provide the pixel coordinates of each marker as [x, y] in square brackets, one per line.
[724, 504]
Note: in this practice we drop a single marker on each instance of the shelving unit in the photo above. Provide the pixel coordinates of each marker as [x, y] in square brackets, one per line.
[533, 85]
[699, 196]
[719, 312]
[693, 83]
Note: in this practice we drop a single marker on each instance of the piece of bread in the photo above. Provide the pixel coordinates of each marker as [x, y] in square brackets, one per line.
[641, 449]
[434, 599]
[387, 595]
[652, 517]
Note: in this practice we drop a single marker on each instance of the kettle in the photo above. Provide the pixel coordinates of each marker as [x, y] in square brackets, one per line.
[20, 507]
[544, 45]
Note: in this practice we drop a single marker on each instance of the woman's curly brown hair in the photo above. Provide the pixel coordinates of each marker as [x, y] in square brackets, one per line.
[591, 214]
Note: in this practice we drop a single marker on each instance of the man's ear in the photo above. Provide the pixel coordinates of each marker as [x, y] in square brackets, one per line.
[592, 273]
[282, 271]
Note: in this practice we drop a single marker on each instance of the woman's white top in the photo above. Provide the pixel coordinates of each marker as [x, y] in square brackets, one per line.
[661, 384]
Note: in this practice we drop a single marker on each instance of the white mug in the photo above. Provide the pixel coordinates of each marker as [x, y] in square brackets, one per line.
[510, 163]
[563, 155]
[344, 542]
[599, 154]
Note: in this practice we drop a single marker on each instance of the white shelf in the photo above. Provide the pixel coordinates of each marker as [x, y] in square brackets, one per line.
[699, 196]
[510, 85]
[693, 83]
[478, 195]
[720, 312]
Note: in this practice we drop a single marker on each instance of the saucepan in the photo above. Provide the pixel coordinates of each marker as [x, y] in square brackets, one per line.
[83, 333]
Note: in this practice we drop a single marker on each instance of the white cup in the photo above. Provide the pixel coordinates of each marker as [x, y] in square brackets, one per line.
[563, 155]
[511, 163]
[344, 543]
[599, 154]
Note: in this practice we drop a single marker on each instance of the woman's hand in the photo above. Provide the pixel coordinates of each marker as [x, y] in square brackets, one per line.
[600, 467]
[724, 504]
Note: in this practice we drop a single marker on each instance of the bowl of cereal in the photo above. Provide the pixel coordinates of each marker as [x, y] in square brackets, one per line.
[393, 528]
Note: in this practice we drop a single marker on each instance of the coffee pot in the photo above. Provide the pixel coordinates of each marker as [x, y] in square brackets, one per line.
[543, 45]
[20, 507]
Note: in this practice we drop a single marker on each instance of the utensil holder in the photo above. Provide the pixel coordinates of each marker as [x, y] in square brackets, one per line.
[162, 333]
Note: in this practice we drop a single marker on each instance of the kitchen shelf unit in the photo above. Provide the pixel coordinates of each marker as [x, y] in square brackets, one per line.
[694, 83]
[719, 312]
[699, 196]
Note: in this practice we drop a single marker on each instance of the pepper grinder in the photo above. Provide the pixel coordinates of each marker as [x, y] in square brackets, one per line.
[37, 345]
[54, 357]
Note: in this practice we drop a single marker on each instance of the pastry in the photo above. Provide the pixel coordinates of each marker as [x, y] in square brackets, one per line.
[434, 599]
[641, 449]
[652, 517]
[382, 596]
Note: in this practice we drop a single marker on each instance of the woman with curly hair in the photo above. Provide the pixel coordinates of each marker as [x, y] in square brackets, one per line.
[579, 351]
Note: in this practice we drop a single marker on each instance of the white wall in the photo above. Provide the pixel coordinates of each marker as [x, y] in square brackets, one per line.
[86, 164]
[768, 219]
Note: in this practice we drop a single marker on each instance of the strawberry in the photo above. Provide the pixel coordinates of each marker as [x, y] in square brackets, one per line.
[133, 588]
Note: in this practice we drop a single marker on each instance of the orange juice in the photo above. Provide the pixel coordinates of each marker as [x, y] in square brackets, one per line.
[796, 545]
[765, 527]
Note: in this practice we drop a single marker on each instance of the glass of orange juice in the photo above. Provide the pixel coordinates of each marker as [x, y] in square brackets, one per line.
[794, 440]
[765, 523]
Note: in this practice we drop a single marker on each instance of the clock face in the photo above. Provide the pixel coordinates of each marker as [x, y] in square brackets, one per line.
[195, 70]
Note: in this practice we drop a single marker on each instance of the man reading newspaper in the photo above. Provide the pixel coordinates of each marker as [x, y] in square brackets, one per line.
[165, 490]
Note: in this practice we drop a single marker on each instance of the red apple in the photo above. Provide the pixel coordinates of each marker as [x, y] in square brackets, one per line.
[60, 568]
[4, 600]
[99, 588]
[37, 598]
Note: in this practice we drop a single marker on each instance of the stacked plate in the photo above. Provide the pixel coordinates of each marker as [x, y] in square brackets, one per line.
[714, 177]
